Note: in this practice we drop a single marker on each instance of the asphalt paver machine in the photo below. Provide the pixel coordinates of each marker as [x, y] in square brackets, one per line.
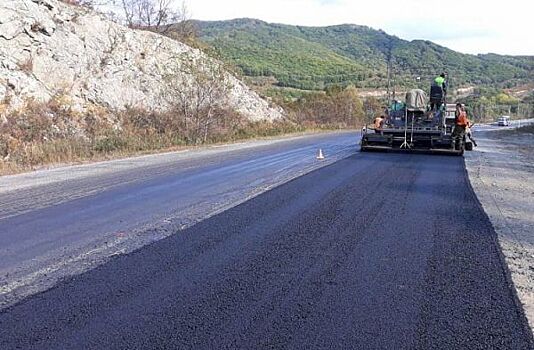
[413, 126]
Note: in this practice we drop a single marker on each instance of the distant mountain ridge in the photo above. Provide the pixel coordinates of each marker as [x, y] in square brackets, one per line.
[315, 57]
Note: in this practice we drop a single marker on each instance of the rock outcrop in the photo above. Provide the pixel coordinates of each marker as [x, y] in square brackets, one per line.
[49, 48]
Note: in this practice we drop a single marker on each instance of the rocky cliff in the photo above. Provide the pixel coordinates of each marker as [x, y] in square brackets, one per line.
[49, 48]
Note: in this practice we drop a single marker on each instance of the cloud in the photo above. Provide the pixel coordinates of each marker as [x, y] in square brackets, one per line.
[433, 31]
[474, 26]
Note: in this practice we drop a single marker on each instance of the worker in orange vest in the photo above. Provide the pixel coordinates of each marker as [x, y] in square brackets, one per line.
[461, 123]
[378, 122]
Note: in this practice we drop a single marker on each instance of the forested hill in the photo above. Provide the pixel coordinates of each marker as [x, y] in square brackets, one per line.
[315, 57]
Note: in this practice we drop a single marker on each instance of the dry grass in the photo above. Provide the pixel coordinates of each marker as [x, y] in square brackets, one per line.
[74, 151]
[43, 134]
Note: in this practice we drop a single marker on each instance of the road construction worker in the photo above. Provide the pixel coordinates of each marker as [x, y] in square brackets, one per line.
[468, 132]
[461, 123]
[470, 136]
[438, 91]
[378, 122]
[441, 81]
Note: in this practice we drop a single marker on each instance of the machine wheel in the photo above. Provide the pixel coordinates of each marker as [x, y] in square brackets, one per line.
[468, 146]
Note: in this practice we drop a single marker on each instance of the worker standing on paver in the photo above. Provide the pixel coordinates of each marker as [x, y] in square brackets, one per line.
[438, 92]
[441, 81]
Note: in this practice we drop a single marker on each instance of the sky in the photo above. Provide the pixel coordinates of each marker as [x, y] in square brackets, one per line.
[468, 26]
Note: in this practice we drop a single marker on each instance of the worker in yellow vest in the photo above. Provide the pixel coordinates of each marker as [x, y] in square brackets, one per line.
[438, 92]
[441, 81]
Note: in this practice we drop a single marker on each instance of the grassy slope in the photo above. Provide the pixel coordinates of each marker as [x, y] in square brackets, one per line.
[293, 60]
[312, 57]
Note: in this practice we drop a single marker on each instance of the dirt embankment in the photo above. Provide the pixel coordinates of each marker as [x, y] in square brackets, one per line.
[502, 174]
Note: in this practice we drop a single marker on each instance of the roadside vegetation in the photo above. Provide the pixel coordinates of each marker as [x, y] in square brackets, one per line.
[312, 58]
[43, 133]
[40, 134]
[487, 104]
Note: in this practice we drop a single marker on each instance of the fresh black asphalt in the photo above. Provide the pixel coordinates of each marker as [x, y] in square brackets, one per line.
[377, 251]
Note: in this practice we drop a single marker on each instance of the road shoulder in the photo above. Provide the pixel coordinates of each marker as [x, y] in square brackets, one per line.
[501, 172]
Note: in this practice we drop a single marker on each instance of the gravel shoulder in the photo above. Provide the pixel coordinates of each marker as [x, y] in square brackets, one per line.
[501, 171]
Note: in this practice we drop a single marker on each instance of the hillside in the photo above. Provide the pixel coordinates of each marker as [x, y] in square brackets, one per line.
[312, 57]
[76, 86]
[49, 49]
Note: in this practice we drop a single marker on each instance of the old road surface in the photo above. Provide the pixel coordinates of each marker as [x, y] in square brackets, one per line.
[374, 251]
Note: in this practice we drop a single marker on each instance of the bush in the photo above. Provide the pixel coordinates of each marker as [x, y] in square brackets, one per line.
[337, 107]
[109, 144]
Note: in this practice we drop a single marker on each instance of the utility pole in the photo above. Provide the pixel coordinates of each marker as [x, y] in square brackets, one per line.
[394, 84]
[389, 79]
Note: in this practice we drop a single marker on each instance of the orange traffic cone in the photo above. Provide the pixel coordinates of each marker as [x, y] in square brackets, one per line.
[320, 155]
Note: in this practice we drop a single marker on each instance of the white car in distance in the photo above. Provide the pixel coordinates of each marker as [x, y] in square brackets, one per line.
[503, 121]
